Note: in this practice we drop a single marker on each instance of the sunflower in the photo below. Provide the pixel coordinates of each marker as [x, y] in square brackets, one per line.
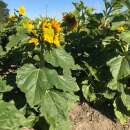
[33, 41]
[21, 11]
[70, 20]
[120, 29]
[50, 32]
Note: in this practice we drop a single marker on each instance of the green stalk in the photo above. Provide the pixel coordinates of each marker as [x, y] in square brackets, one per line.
[42, 61]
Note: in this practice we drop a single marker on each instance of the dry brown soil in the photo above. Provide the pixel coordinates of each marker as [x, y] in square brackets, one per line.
[85, 117]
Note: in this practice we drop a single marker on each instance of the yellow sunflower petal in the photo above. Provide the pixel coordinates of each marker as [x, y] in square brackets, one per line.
[51, 30]
[33, 41]
[56, 26]
[56, 41]
[120, 29]
[21, 10]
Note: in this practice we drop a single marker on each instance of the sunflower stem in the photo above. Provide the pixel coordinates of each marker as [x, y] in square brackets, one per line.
[42, 61]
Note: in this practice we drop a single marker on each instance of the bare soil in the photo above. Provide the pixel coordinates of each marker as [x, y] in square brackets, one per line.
[85, 117]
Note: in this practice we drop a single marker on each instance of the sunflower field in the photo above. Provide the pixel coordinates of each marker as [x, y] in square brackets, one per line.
[46, 66]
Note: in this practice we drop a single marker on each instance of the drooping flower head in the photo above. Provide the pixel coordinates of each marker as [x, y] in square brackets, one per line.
[21, 11]
[51, 32]
[70, 20]
[47, 31]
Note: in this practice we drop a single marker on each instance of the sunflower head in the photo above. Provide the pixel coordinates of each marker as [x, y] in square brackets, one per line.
[120, 29]
[50, 32]
[33, 41]
[47, 31]
[70, 20]
[21, 11]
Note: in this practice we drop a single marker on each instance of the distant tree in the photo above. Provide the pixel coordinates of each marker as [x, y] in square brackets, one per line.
[4, 11]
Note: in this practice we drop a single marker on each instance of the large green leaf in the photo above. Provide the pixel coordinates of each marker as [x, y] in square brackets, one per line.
[61, 125]
[88, 92]
[120, 68]
[55, 107]
[66, 83]
[35, 82]
[92, 71]
[122, 117]
[58, 57]
[109, 94]
[11, 118]
[18, 38]
[2, 52]
[3, 86]
[126, 100]
[52, 92]
[125, 36]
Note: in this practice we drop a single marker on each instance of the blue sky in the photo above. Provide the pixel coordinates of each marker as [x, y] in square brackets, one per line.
[55, 8]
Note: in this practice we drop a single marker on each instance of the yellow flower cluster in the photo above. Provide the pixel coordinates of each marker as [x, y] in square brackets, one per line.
[51, 31]
[21, 11]
[30, 28]
[120, 29]
[14, 17]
